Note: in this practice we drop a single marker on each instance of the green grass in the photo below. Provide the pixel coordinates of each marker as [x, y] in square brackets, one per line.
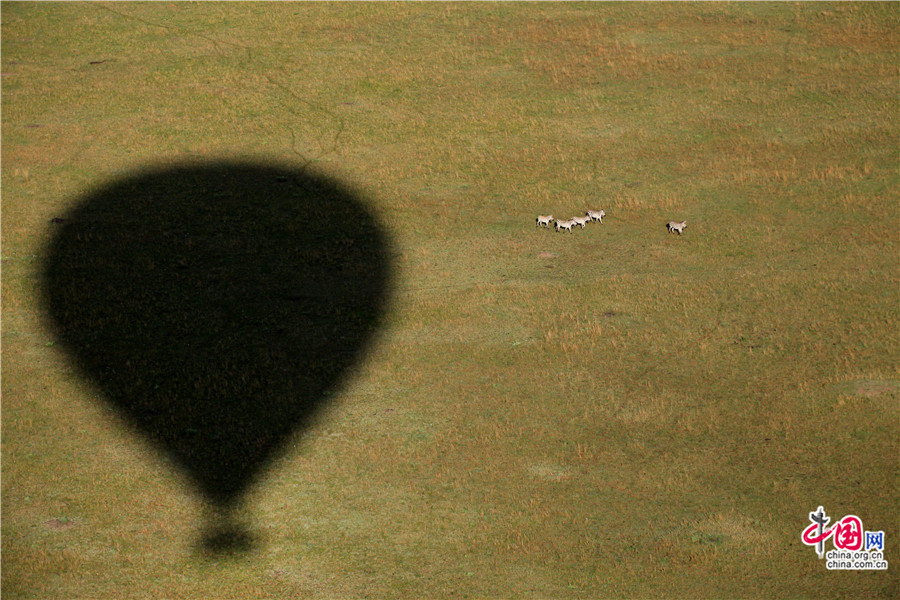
[618, 412]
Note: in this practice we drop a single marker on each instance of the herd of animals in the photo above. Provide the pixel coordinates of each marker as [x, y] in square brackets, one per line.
[594, 215]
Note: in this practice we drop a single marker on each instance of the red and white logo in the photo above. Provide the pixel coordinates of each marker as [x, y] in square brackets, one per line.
[854, 548]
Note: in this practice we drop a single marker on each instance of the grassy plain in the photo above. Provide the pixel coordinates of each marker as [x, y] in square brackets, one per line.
[618, 412]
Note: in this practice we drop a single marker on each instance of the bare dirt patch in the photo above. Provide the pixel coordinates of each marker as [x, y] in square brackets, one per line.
[60, 524]
[870, 388]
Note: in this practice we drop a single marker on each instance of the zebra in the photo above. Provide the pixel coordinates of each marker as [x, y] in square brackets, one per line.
[567, 225]
[544, 220]
[581, 221]
[596, 215]
[673, 226]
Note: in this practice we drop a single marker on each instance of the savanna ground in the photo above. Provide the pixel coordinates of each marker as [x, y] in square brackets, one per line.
[616, 412]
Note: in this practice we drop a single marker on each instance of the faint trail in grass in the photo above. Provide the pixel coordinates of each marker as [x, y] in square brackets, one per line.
[183, 30]
[340, 124]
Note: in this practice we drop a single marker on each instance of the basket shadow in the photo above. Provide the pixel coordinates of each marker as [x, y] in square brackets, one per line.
[217, 306]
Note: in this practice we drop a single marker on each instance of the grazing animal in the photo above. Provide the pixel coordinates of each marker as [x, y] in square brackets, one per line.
[544, 220]
[673, 226]
[567, 225]
[596, 215]
[580, 221]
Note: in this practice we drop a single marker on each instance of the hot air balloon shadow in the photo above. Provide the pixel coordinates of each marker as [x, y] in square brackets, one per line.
[217, 306]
